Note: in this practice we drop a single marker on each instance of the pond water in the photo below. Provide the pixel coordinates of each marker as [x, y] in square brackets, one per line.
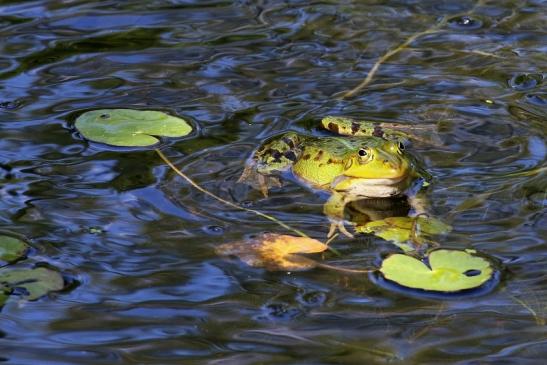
[136, 244]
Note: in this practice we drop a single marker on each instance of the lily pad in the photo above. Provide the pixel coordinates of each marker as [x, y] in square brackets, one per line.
[403, 229]
[448, 271]
[4, 294]
[11, 249]
[275, 251]
[130, 128]
[34, 282]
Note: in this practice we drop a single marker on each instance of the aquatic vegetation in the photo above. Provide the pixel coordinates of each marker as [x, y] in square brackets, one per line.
[130, 128]
[401, 230]
[12, 249]
[275, 251]
[444, 271]
[29, 284]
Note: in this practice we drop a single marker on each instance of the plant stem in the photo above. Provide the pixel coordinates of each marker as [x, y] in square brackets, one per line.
[343, 269]
[260, 214]
[386, 56]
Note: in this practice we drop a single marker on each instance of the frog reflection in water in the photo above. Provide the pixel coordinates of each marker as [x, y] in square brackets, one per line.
[371, 163]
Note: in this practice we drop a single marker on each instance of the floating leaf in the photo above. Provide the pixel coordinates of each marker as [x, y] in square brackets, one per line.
[275, 252]
[35, 282]
[403, 229]
[130, 128]
[4, 294]
[11, 248]
[448, 271]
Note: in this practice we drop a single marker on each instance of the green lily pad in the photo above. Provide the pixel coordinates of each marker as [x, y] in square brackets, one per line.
[36, 282]
[403, 229]
[4, 294]
[448, 271]
[11, 248]
[130, 128]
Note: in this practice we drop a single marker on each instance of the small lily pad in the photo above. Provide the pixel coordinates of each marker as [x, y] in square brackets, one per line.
[448, 271]
[11, 249]
[34, 282]
[130, 128]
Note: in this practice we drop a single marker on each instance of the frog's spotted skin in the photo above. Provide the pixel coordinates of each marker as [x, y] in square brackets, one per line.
[351, 127]
[278, 154]
[350, 168]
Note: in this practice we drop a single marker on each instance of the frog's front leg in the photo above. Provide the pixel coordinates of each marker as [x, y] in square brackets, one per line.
[275, 155]
[257, 180]
[334, 210]
[418, 204]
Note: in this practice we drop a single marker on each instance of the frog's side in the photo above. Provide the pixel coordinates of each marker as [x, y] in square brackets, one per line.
[350, 168]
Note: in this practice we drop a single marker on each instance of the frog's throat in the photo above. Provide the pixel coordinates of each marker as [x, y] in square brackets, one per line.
[372, 188]
[343, 182]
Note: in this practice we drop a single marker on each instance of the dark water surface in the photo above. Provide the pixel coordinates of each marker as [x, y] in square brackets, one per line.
[136, 244]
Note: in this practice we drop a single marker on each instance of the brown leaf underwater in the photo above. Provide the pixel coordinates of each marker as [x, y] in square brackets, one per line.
[275, 252]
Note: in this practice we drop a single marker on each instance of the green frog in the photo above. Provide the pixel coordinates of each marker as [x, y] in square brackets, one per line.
[373, 162]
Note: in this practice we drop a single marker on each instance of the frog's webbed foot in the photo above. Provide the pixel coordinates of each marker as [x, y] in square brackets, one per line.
[334, 210]
[257, 180]
[338, 225]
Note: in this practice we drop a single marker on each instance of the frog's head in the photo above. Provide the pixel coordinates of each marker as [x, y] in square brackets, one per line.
[382, 161]
[376, 170]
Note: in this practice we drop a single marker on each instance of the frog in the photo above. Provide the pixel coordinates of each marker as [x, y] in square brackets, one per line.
[371, 162]
[403, 133]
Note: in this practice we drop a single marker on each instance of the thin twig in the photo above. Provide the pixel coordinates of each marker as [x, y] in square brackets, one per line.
[387, 56]
[538, 319]
[343, 269]
[432, 29]
[191, 182]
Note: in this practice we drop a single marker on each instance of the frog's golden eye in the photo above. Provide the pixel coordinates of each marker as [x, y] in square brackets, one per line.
[363, 152]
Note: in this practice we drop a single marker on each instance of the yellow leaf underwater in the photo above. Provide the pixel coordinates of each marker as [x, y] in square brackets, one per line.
[275, 252]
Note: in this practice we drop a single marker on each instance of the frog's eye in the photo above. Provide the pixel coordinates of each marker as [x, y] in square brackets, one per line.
[363, 152]
[401, 146]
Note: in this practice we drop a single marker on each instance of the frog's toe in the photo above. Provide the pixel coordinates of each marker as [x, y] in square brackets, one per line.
[263, 185]
[338, 226]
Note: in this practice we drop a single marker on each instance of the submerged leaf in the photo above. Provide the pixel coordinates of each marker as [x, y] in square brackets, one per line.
[130, 128]
[403, 229]
[275, 252]
[35, 282]
[448, 271]
[11, 248]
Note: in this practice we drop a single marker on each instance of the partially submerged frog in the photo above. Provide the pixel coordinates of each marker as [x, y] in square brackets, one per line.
[372, 163]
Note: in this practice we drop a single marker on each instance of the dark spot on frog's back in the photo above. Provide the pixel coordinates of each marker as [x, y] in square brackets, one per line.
[319, 155]
[290, 155]
[333, 127]
[378, 131]
[355, 127]
[289, 142]
[276, 155]
[306, 157]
